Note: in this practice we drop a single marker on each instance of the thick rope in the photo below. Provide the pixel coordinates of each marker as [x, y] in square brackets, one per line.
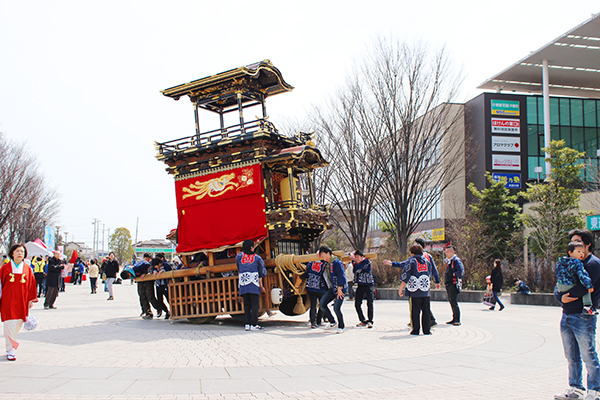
[284, 263]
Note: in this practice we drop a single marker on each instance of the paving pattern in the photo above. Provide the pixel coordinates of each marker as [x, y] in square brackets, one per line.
[90, 348]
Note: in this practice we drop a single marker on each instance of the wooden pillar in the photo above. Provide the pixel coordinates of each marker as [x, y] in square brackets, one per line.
[291, 182]
[197, 120]
[221, 119]
[241, 111]
[264, 107]
[310, 190]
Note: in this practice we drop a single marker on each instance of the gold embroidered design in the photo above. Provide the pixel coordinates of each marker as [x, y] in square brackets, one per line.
[12, 277]
[218, 186]
[23, 278]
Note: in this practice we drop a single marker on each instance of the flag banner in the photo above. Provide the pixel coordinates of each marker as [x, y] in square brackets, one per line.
[220, 208]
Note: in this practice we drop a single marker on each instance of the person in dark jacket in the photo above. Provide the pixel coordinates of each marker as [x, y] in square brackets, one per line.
[111, 270]
[363, 277]
[335, 279]
[578, 331]
[55, 268]
[145, 288]
[251, 271]
[162, 285]
[315, 288]
[416, 278]
[453, 281]
[496, 278]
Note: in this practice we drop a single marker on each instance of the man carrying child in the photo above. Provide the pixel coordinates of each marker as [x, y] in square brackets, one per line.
[578, 331]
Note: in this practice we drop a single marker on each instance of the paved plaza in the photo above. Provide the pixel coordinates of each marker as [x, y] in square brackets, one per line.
[90, 348]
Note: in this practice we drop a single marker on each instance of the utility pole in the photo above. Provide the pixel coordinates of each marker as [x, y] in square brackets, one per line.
[94, 240]
[103, 230]
[98, 235]
[136, 228]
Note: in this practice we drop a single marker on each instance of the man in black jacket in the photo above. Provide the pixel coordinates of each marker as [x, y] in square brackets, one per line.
[578, 331]
[55, 267]
[111, 271]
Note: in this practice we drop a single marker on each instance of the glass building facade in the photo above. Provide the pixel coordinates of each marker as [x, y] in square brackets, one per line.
[576, 121]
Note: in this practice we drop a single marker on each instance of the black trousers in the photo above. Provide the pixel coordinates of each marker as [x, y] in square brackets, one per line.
[368, 292]
[93, 284]
[146, 293]
[452, 291]
[315, 313]
[351, 293]
[251, 305]
[420, 307]
[162, 294]
[51, 293]
[433, 321]
[39, 280]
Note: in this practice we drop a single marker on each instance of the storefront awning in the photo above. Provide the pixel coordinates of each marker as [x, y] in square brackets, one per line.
[573, 66]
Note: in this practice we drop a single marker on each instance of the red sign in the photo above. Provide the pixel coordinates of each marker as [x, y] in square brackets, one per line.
[220, 209]
[506, 125]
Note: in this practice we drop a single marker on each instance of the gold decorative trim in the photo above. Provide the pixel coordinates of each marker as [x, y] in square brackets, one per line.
[216, 170]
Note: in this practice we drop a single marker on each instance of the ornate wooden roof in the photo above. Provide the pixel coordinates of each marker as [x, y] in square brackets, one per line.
[219, 92]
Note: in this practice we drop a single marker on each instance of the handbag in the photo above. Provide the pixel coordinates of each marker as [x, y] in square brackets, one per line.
[488, 299]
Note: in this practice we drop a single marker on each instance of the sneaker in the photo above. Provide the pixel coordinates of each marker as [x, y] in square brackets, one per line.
[158, 313]
[456, 323]
[314, 326]
[502, 308]
[492, 308]
[361, 325]
[593, 395]
[167, 315]
[340, 330]
[247, 327]
[147, 316]
[329, 326]
[589, 310]
[450, 322]
[570, 394]
[52, 307]
[257, 328]
[369, 325]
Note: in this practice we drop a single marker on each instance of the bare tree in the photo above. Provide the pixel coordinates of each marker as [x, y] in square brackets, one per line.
[21, 183]
[352, 178]
[414, 130]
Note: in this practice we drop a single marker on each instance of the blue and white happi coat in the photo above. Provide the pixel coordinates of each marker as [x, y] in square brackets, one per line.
[251, 268]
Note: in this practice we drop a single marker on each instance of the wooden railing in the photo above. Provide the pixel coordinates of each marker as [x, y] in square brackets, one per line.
[214, 136]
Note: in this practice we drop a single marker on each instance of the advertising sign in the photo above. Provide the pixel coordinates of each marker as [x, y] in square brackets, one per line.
[434, 235]
[513, 181]
[593, 223]
[505, 107]
[505, 125]
[506, 143]
[501, 161]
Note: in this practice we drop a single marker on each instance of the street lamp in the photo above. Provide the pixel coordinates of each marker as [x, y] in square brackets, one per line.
[57, 236]
[44, 220]
[24, 206]
[66, 241]
[538, 171]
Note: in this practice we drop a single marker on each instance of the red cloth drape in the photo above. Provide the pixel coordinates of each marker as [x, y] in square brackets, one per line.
[220, 209]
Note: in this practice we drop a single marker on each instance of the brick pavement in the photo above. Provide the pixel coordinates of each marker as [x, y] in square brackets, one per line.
[90, 348]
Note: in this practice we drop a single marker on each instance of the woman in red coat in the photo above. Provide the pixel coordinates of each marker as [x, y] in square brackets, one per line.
[18, 295]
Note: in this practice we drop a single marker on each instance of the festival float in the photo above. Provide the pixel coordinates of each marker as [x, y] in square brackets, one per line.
[240, 182]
